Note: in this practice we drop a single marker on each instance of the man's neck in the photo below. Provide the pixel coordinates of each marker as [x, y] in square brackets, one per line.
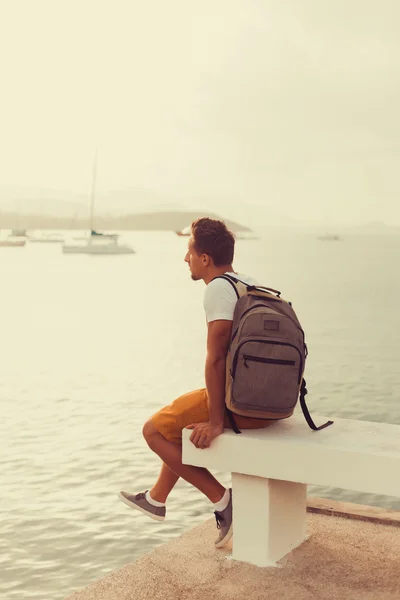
[216, 272]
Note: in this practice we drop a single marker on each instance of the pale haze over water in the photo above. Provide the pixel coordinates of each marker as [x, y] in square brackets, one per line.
[268, 113]
[91, 346]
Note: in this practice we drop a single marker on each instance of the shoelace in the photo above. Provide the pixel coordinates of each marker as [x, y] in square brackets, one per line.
[141, 496]
[219, 518]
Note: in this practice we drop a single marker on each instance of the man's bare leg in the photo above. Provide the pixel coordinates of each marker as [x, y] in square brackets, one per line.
[171, 455]
[164, 485]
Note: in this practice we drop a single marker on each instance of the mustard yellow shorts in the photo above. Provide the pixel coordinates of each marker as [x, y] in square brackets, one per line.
[193, 408]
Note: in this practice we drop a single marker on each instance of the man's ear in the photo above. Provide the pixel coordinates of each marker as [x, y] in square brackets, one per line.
[206, 260]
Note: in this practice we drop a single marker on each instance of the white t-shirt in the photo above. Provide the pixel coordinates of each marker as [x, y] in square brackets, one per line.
[220, 297]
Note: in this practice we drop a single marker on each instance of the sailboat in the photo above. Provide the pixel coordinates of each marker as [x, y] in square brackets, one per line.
[12, 241]
[17, 237]
[110, 236]
[239, 235]
[96, 242]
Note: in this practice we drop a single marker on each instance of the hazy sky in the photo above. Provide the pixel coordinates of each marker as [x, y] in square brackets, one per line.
[291, 103]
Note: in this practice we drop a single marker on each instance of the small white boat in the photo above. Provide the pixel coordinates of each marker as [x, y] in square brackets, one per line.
[46, 238]
[18, 233]
[9, 242]
[94, 247]
[185, 232]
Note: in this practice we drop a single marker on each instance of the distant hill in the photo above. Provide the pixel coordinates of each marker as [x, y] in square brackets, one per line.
[135, 207]
[379, 227]
[373, 228]
[139, 208]
[134, 200]
[150, 221]
[173, 220]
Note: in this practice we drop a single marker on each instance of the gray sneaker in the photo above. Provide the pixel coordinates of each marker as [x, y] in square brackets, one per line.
[139, 502]
[224, 524]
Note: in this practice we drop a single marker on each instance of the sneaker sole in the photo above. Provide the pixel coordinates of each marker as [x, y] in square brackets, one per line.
[226, 539]
[139, 508]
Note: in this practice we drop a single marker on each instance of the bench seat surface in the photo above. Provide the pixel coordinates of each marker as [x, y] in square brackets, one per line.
[357, 455]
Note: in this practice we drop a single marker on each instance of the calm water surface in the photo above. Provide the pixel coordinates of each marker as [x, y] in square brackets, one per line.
[91, 346]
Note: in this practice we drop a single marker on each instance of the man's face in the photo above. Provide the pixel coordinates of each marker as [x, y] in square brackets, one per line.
[196, 262]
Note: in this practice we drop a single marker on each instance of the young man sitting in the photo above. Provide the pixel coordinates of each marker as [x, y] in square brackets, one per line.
[210, 254]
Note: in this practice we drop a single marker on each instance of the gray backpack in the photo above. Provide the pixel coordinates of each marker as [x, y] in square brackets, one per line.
[266, 358]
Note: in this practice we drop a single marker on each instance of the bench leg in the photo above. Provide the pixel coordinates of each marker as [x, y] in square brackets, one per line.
[269, 518]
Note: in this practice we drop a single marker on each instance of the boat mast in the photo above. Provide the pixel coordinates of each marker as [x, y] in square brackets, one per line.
[94, 176]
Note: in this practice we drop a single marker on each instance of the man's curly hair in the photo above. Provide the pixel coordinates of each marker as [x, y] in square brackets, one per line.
[212, 237]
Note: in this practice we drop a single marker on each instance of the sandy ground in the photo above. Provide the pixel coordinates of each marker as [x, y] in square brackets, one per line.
[344, 558]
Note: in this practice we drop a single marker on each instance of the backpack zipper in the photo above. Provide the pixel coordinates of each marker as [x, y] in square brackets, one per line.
[270, 361]
[236, 358]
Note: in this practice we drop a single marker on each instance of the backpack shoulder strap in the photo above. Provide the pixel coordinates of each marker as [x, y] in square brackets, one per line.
[251, 288]
[307, 416]
[231, 280]
[234, 283]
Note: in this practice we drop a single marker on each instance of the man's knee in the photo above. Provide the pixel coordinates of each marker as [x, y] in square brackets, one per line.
[149, 431]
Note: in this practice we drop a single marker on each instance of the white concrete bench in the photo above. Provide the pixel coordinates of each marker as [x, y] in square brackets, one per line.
[272, 467]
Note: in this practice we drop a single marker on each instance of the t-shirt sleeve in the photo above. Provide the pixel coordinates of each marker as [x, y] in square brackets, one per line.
[219, 301]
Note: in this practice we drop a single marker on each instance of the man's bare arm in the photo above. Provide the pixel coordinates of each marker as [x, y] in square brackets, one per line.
[218, 337]
[219, 333]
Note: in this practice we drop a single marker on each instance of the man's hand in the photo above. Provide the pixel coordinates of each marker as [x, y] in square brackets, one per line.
[204, 433]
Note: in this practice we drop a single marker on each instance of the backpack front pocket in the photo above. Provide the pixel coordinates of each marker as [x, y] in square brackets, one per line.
[266, 376]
